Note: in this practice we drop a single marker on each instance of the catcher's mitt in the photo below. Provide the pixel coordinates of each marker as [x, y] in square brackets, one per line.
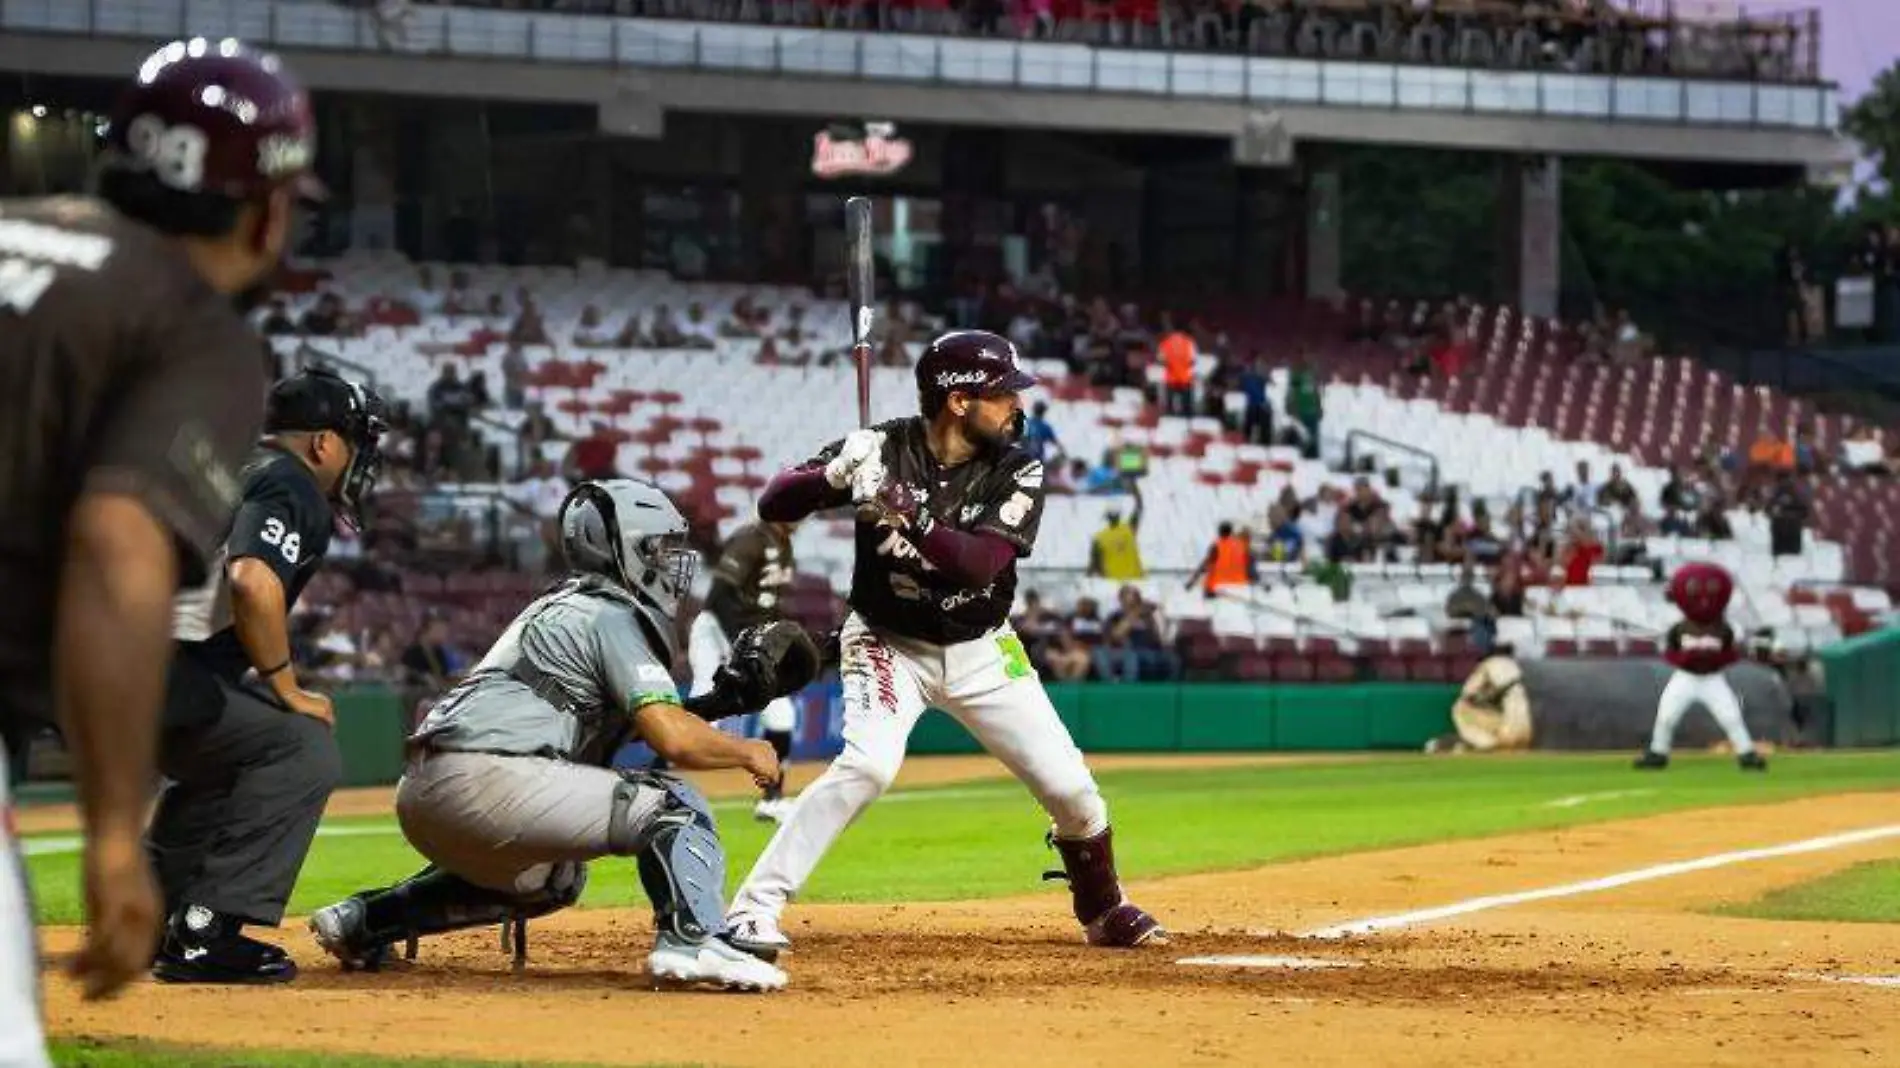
[771, 660]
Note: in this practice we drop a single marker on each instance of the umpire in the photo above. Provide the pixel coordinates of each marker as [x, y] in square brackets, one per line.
[248, 752]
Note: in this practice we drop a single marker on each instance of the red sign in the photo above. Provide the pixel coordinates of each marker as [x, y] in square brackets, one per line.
[879, 153]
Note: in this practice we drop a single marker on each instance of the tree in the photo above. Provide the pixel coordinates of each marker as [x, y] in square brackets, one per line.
[1874, 121]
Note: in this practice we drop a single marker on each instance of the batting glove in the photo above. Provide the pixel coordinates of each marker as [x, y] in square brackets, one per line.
[867, 480]
[859, 447]
[896, 506]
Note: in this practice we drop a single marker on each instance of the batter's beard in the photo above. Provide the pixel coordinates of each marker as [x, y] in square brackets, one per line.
[990, 443]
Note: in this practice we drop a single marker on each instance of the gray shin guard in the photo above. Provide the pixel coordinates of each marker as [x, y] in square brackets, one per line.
[682, 865]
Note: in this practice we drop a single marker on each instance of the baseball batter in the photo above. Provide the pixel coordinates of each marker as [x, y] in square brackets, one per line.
[1700, 647]
[749, 584]
[949, 504]
[509, 792]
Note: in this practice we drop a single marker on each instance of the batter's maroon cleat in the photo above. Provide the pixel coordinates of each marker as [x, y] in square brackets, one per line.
[1124, 927]
[1107, 918]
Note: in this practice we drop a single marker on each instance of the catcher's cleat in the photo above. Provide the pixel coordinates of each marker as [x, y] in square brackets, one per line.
[712, 963]
[341, 929]
[1651, 761]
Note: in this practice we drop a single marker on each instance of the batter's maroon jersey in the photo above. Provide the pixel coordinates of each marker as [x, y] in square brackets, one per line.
[893, 587]
[1701, 648]
[120, 371]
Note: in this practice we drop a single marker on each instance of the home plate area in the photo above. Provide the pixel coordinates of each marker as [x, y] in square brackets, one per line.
[1636, 972]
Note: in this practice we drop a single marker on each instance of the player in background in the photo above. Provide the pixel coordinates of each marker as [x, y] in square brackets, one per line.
[749, 586]
[1700, 647]
[510, 789]
[952, 504]
[130, 390]
[249, 754]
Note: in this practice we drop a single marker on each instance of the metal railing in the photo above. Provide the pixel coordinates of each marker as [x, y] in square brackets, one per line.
[1429, 460]
[1359, 79]
[1656, 41]
[307, 355]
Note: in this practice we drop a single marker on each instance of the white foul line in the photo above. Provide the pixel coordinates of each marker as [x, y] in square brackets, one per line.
[1608, 882]
[53, 845]
[1573, 800]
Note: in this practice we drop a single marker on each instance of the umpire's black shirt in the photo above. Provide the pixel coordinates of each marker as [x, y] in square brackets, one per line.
[284, 521]
[120, 371]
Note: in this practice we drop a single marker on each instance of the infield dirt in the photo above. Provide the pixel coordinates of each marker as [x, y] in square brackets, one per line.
[1631, 976]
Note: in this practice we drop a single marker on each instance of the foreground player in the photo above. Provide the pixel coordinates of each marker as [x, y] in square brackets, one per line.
[130, 390]
[509, 792]
[1700, 647]
[248, 753]
[749, 584]
[955, 504]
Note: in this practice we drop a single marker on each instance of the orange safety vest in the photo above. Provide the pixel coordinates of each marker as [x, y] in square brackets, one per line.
[1230, 563]
[1177, 360]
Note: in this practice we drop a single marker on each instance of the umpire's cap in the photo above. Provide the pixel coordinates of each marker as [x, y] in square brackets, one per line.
[321, 399]
[215, 118]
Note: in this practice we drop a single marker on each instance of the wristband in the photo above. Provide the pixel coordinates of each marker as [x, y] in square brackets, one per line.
[273, 671]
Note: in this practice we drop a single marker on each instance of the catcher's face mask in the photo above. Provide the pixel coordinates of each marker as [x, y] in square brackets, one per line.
[663, 565]
[630, 532]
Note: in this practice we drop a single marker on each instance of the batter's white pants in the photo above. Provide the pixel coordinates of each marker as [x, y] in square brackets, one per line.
[22, 1044]
[706, 648]
[987, 684]
[1684, 691]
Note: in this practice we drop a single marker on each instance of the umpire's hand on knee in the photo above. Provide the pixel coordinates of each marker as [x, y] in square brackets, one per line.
[315, 705]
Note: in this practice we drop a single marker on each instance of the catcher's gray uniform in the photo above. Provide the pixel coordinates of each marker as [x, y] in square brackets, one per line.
[509, 793]
[512, 778]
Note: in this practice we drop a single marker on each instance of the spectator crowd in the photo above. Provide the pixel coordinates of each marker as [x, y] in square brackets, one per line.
[1574, 36]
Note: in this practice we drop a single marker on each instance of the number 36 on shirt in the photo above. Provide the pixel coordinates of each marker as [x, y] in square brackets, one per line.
[287, 542]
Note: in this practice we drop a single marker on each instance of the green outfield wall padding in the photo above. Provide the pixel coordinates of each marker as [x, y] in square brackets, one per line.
[370, 727]
[1228, 717]
[1321, 717]
[1067, 697]
[1140, 717]
[1403, 717]
[936, 732]
[1863, 686]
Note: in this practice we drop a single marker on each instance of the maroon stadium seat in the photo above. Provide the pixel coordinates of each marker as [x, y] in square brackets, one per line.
[1292, 667]
[1390, 669]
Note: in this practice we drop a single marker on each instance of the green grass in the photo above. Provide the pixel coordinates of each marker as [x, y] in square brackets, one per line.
[86, 1053]
[985, 839]
[1864, 893]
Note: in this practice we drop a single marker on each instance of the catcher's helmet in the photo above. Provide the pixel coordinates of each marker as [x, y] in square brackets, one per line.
[320, 399]
[969, 361]
[214, 118]
[630, 533]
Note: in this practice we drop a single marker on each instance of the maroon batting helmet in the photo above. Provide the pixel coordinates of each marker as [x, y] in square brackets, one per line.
[1702, 591]
[969, 361]
[215, 118]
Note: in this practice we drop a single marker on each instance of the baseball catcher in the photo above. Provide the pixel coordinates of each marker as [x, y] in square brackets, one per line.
[1700, 647]
[510, 790]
